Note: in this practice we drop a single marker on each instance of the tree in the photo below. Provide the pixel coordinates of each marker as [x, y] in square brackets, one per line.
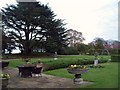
[113, 46]
[31, 23]
[91, 48]
[75, 37]
[56, 36]
[99, 43]
[82, 48]
[7, 43]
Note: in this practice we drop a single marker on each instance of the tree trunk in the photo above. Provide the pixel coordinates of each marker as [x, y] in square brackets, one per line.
[27, 49]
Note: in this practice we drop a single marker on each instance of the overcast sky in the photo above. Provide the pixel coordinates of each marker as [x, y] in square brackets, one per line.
[94, 18]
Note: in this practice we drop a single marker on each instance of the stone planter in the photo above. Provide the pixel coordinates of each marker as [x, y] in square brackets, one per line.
[77, 71]
[4, 82]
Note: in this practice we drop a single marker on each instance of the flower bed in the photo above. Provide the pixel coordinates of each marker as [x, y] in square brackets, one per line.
[78, 69]
[6, 76]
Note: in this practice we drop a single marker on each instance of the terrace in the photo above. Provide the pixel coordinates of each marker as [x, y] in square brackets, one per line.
[44, 81]
[60, 78]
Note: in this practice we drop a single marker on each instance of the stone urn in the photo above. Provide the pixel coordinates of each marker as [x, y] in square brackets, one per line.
[78, 71]
[4, 82]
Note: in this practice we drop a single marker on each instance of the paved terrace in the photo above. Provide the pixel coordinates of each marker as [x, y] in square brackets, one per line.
[46, 81]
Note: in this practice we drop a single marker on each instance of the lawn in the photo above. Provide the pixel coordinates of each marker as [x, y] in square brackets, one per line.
[106, 77]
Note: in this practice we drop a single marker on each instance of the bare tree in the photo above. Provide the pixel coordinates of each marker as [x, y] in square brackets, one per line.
[75, 37]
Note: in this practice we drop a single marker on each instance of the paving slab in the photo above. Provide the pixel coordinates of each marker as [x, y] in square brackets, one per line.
[44, 81]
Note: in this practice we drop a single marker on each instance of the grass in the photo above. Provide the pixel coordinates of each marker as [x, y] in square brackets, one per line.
[106, 77]
[19, 61]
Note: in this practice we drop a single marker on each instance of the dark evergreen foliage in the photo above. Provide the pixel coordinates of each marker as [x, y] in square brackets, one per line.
[33, 26]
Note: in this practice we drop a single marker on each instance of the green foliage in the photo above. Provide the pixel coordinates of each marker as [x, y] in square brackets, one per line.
[69, 51]
[99, 42]
[82, 48]
[32, 25]
[115, 58]
[61, 62]
[114, 51]
[7, 43]
[90, 51]
[15, 63]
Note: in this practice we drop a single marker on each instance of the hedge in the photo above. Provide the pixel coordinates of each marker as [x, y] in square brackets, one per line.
[115, 58]
[63, 63]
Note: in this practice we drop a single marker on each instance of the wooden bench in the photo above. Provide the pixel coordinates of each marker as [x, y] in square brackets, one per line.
[37, 71]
